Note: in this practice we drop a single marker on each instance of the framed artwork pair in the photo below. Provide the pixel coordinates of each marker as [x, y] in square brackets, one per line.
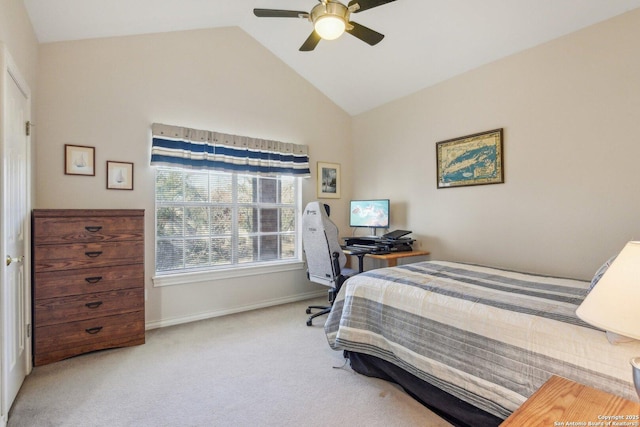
[81, 160]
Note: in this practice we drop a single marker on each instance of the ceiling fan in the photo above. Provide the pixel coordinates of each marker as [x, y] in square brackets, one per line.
[330, 19]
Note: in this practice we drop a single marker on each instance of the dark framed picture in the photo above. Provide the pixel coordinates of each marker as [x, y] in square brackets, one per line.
[119, 175]
[79, 160]
[470, 160]
[328, 180]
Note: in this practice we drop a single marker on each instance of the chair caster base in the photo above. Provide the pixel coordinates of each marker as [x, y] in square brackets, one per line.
[323, 310]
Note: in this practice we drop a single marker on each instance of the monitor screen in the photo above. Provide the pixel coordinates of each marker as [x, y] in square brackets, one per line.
[369, 213]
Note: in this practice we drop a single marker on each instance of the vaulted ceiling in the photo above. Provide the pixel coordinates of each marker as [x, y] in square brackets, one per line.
[426, 41]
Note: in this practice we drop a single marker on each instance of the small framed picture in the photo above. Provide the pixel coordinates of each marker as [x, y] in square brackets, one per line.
[79, 160]
[328, 180]
[119, 175]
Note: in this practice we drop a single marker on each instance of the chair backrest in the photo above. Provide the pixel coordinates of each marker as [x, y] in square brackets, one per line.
[320, 242]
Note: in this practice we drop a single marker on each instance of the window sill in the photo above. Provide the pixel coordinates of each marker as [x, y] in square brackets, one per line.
[227, 273]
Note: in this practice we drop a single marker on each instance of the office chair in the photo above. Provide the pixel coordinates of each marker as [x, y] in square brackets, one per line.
[325, 259]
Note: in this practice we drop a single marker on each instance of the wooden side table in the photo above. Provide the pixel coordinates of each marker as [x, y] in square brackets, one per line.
[561, 402]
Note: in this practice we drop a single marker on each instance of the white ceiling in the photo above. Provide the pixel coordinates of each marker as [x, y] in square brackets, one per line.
[427, 41]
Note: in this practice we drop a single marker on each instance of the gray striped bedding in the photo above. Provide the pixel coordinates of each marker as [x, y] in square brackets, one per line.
[490, 337]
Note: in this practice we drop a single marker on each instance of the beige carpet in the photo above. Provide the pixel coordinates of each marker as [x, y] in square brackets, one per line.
[259, 368]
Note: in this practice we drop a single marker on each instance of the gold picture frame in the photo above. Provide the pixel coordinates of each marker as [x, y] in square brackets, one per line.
[328, 180]
[79, 160]
[119, 175]
[470, 160]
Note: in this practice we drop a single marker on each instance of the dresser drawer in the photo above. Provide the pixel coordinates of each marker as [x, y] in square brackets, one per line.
[87, 229]
[73, 256]
[87, 333]
[61, 353]
[74, 282]
[82, 307]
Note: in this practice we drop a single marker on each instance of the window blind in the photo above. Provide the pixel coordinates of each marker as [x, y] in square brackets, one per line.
[213, 219]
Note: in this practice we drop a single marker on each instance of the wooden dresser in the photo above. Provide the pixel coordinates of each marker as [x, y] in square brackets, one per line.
[88, 281]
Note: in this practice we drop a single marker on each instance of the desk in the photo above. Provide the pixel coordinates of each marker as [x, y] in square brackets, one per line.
[392, 258]
[561, 402]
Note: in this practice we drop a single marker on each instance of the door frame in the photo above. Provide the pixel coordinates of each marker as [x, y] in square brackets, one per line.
[10, 70]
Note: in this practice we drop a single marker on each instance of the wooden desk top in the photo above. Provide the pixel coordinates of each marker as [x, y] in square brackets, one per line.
[392, 257]
[561, 402]
[396, 255]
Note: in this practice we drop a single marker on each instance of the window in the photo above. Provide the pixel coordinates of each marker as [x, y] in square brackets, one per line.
[208, 219]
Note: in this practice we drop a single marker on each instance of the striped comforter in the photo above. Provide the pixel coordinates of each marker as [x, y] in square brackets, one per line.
[490, 337]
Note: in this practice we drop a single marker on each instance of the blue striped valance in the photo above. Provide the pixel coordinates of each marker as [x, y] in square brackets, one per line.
[200, 149]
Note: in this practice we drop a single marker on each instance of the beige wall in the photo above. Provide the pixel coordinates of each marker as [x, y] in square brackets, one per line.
[17, 34]
[106, 93]
[570, 110]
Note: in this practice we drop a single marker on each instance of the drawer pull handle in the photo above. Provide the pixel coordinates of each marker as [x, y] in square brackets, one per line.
[93, 254]
[93, 304]
[93, 229]
[93, 280]
[94, 331]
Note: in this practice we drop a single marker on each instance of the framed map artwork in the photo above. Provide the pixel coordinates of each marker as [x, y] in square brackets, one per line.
[470, 160]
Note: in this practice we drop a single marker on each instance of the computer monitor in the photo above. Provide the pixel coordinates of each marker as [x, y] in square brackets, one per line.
[369, 213]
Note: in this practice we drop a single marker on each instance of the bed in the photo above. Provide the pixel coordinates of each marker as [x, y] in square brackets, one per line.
[473, 342]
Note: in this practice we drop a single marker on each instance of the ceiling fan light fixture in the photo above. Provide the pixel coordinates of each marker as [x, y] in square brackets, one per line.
[330, 27]
[330, 19]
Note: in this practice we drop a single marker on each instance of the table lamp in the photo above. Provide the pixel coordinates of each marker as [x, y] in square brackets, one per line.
[612, 304]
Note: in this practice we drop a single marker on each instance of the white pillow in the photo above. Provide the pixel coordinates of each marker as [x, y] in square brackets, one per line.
[603, 269]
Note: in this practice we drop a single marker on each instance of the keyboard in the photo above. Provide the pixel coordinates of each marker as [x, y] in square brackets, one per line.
[396, 234]
[359, 248]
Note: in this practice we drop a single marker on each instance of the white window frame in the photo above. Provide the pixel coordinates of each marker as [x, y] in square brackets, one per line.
[212, 274]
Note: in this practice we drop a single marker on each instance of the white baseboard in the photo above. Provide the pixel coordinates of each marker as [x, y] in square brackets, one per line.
[216, 313]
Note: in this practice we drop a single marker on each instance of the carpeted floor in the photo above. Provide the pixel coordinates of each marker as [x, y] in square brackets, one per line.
[259, 368]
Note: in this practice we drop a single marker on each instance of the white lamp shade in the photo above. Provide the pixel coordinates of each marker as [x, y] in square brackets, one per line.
[614, 303]
[329, 27]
